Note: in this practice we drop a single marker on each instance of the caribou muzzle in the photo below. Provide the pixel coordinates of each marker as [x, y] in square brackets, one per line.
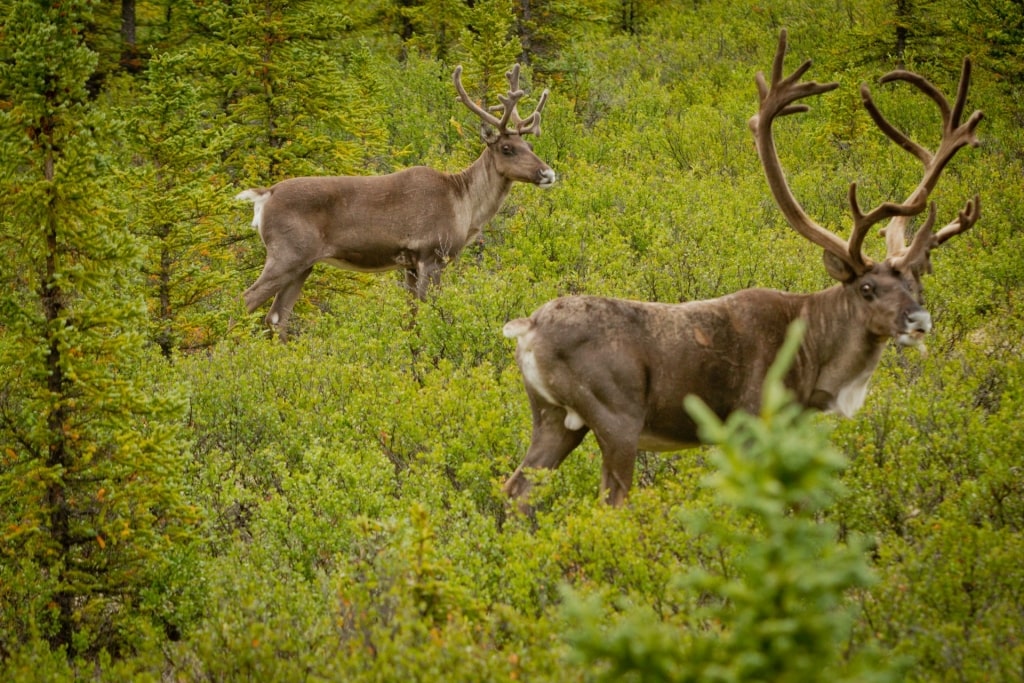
[545, 178]
[918, 323]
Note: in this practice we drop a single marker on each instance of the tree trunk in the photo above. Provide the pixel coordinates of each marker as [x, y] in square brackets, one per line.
[57, 457]
[903, 12]
[131, 58]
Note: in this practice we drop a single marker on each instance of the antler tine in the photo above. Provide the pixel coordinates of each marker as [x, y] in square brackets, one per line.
[788, 88]
[485, 115]
[925, 240]
[969, 215]
[922, 243]
[780, 98]
[862, 222]
[954, 136]
[509, 103]
[531, 124]
[513, 78]
[894, 133]
[961, 92]
[510, 100]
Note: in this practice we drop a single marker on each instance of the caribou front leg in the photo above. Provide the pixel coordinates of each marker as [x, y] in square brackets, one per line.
[425, 274]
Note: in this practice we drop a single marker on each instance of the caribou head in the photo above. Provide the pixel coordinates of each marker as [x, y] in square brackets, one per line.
[416, 220]
[504, 136]
[888, 292]
[621, 369]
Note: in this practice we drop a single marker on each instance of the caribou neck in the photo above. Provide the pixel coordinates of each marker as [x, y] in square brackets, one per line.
[837, 353]
[482, 190]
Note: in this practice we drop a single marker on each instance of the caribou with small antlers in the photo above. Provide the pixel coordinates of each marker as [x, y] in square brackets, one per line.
[416, 219]
[621, 369]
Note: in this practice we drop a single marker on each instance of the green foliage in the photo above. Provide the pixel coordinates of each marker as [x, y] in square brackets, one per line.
[346, 487]
[489, 46]
[431, 26]
[996, 29]
[92, 503]
[277, 92]
[932, 481]
[950, 598]
[179, 209]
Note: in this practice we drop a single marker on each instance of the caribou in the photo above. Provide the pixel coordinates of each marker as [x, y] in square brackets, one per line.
[417, 219]
[621, 368]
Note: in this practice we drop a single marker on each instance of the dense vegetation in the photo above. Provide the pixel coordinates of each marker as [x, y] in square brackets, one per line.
[184, 498]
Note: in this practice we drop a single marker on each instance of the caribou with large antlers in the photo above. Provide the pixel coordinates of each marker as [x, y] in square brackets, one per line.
[416, 219]
[621, 368]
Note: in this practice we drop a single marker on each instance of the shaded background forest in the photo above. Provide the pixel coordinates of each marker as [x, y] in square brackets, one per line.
[184, 498]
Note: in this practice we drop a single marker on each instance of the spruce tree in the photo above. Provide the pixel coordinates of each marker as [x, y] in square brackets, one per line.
[280, 96]
[91, 505]
[181, 211]
[489, 44]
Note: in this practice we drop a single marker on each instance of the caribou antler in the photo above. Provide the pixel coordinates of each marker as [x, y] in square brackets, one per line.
[509, 101]
[954, 136]
[925, 240]
[531, 124]
[778, 99]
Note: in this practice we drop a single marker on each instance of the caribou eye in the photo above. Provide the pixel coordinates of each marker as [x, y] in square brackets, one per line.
[507, 150]
[867, 290]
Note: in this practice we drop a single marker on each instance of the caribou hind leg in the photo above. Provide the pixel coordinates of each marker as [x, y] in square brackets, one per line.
[284, 285]
[284, 302]
[271, 281]
[618, 462]
[617, 435]
[550, 443]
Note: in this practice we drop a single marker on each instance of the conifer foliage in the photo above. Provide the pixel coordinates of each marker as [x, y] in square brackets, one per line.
[183, 499]
[179, 199]
[88, 501]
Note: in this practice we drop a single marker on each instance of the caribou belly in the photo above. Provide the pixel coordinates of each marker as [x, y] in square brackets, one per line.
[658, 442]
[358, 267]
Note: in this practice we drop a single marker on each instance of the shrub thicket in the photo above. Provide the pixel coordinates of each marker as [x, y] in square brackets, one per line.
[342, 492]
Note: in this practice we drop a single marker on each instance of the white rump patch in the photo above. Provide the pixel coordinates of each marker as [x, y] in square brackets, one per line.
[516, 328]
[523, 330]
[258, 199]
[531, 373]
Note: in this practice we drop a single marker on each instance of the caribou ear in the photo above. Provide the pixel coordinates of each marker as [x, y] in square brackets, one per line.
[489, 134]
[837, 268]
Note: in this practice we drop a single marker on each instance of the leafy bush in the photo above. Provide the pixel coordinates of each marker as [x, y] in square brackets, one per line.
[345, 488]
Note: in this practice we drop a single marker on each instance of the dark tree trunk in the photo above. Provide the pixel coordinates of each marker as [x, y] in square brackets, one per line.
[131, 57]
[903, 11]
[57, 456]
